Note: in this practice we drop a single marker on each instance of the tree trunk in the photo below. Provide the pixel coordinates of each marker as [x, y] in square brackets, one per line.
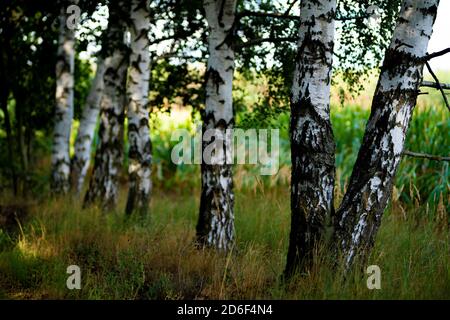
[64, 108]
[86, 131]
[103, 184]
[9, 138]
[359, 216]
[140, 157]
[312, 141]
[20, 113]
[215, 225]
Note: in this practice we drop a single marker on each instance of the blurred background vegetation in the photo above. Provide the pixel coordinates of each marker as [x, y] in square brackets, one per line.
[419, 181]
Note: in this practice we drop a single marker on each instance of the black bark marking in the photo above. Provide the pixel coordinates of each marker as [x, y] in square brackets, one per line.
[312, 152]
[363, 204]
[215, 77]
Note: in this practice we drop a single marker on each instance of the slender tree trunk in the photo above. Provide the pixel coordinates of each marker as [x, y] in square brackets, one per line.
[216, 218]
[64, 108]
[359, 216]
[140, 157]
[4, 107]
[103, 185]
[28, 139]
[20, 111]
[312, 141]
[86, 131]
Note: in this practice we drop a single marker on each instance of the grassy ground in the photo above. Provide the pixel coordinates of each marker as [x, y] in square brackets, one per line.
[156, 259]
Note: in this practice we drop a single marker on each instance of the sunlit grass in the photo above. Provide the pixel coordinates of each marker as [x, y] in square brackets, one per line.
[156, 258]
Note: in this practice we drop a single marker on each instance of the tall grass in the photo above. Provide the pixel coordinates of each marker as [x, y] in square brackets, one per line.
[156, 258]
[418, 180]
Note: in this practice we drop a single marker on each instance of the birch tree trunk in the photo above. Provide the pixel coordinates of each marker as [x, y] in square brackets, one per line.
[215, 227]
[359, 216]
[64, 108]
[86, 131]
[312, 141]
[140, 157]
[103, 185]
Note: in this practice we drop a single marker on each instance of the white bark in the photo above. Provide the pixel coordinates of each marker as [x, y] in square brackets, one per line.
[140, 157]
[109, 153]
[86, 130]
[359, 217]
[64, 108]
[312, 141]
[216, 219]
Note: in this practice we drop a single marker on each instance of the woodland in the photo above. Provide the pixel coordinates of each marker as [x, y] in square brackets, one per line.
[93, 94]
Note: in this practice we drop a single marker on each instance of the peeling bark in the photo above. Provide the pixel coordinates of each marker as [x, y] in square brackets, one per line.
[64, 108]
[86, 131]
[215, 227]
[103, 185]
[312, 141]
[359, 216]
[140, 157]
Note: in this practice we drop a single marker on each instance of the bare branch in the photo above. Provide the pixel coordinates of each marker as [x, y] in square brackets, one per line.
[436, 54]
[157, 41]
[254, 42]
[425, 156]
[431, 84]
[247, 13]
[438, 84]
[363, 16]
[290, 7]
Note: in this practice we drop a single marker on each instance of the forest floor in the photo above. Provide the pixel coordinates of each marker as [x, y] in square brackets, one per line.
[155, 258]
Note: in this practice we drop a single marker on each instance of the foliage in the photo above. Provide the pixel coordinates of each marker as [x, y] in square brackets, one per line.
[363, 40]
[83, 79]
[178, 84]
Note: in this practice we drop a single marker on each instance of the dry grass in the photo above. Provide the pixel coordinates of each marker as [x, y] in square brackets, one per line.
[156, 258]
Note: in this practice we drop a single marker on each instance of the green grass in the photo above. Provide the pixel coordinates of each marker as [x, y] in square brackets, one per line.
[417, 179]
[156, 258]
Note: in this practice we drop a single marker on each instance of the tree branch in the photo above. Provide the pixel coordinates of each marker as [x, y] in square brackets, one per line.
[254, 42]
[430, 84]
[436, 54]
[425, 156]
[157, 41]
[363, 16]
[247, 13]
[290, 7]
[438, 85]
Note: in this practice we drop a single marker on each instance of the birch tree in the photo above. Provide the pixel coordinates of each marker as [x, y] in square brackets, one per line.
[86, 131]
[103, 185]
[64, 107]
[215, 226]
[312, 141]
[369, 189]
[140, 157]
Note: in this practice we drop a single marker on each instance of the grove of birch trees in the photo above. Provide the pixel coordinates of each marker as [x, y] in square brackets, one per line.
[306, 41]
